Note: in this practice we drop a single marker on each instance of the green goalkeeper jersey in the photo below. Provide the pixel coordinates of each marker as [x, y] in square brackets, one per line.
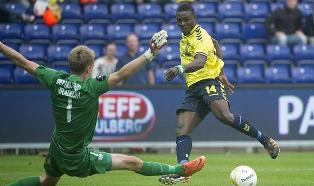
[75, 106]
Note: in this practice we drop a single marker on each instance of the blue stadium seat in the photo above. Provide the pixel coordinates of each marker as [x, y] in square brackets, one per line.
[57, 53]
[15, 8]
[97, 48]
[281, 1]
[173, 30]
[119, 31]
[123, 13]
[96, 13]
[230, 51]
[143, 48]
[159, 73]
[231, 10]
[257, 10]
[23, 77]
[303, 52]
[275, 6]
[228, 31]
[303, 73]
[5, 76]
[230, 70]
[251, 74]
[209, 27]
[278, 52]
[149, 13]
[37, 33]
[34, 52]
[11, 32]
[71, 13]
[306, 8]
[170, 11]
[145, 31]
[210, 1]
[170, 52]
[278, 73]
[65, 33]
[255, 33]
[204, 11]
[121, 50]
[93, 33]
[62, 67]
[252, 52]
[233, 1]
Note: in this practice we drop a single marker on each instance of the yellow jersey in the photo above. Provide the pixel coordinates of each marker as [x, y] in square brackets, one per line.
[199, 42]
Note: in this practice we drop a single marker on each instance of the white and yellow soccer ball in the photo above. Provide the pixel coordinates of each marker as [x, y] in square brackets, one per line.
[243, 176]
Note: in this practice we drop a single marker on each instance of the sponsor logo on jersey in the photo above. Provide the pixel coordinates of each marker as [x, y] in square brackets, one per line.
[124, 116]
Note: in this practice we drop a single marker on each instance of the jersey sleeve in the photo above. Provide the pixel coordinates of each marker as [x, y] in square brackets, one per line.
[203, 43]
[97, 86]
[46, 76]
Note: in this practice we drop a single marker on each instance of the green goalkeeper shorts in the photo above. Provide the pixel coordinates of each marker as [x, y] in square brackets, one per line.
[80, 164]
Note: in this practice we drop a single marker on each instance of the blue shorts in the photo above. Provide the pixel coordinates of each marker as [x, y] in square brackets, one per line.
[200, 95]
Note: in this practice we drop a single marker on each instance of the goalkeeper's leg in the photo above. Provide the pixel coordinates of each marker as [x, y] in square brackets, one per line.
[44, 180]
[132, 163]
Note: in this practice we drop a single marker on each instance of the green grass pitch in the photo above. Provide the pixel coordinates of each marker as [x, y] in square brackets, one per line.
[290, 169]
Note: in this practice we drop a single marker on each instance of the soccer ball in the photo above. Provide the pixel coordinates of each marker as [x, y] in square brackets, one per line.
[243, 176]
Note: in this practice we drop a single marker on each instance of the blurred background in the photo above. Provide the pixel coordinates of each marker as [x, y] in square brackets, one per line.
[268, 50]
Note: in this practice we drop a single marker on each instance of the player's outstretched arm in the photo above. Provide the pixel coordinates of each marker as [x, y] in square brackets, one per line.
[158, 40]
[198, 63]
[18, 59]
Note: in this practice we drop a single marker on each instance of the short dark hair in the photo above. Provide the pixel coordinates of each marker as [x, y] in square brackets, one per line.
[110, 43]
[80, 58]
[186, 7]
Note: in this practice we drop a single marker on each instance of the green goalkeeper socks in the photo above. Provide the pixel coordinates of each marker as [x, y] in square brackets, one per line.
[28, 181]
[156, 169]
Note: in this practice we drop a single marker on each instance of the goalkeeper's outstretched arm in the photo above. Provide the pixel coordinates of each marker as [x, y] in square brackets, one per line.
[157, 42]
[18, 59]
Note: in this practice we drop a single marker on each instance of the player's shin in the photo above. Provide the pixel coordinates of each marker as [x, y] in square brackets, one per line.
[155, 169]
[184, 148]
[247, 128]
[28, 181]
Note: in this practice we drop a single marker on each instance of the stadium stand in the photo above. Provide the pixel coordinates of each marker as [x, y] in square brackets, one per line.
[11, 32]
[278, 52]
[58, 53]
[251, 73]
[37, 33]
[22, 77]
[65, 33]
[149, 13]
[145, 31]
[278, 73]
[93, 33]
[5, 76]
[15, 8]
[238, 25]
[96, 13]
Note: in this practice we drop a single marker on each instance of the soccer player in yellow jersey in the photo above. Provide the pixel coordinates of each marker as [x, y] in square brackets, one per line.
[202, 66]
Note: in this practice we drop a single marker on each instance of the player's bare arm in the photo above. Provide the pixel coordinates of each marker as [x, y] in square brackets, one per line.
[157, 42]
[18, 59]
[198, 63]
[222, 77]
